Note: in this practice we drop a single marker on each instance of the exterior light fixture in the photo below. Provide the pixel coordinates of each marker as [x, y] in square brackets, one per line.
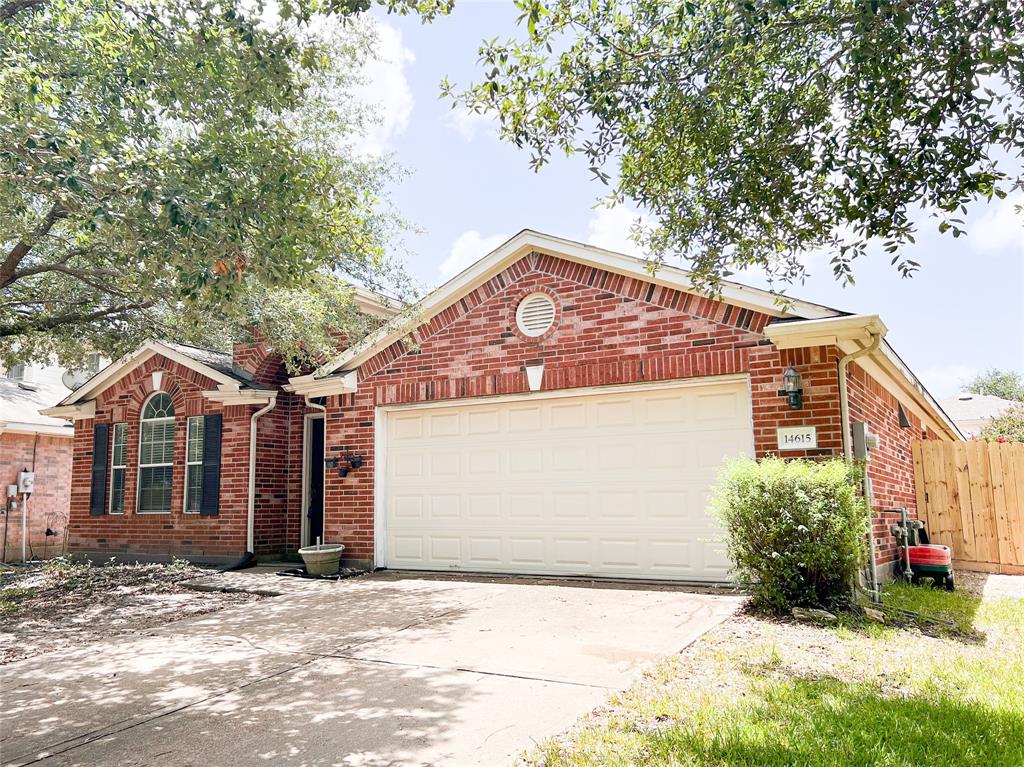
[791, 388]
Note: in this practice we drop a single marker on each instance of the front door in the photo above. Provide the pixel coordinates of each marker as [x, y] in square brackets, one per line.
[315, 478]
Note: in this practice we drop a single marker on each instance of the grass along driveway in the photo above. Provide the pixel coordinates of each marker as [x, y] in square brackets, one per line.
[765, 693]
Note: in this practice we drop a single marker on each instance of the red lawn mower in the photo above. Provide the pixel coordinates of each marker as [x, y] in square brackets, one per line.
[919, 558]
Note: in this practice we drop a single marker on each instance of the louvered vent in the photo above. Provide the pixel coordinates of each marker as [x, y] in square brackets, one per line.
[535, 315]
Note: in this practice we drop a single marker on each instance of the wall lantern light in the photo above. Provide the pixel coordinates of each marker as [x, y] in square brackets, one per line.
[791, 388]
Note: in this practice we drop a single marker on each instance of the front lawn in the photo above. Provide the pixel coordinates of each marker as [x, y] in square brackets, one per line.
[758, 693]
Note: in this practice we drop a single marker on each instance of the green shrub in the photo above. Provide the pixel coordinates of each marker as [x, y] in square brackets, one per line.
[796, 530]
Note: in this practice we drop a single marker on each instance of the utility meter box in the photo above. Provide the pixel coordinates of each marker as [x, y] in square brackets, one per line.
[864, 441]
[26, 481]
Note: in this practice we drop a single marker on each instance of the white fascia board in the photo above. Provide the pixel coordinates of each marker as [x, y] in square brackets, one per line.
[19, 427]
[528, 241]
[370, 303]
[830, 331]
[853, 333]
[226, 395]
[129, 362]
[78, 412]
[310, 386]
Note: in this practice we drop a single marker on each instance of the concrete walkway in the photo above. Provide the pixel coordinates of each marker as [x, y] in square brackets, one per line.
[377, 670]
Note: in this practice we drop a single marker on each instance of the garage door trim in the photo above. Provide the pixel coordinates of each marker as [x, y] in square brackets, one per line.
[382, 411]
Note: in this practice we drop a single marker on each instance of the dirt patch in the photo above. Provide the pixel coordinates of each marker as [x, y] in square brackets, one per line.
[62, 603]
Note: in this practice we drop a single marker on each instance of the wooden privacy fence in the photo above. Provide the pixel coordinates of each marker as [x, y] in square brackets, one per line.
[971, 497]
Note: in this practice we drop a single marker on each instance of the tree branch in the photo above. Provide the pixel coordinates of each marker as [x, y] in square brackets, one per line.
[12, 8]
[49, 323]
[9, 267]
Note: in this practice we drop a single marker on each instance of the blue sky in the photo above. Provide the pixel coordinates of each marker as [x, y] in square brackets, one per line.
[468, 191]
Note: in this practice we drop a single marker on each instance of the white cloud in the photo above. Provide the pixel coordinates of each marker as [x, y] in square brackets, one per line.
[946, 380]
[468, 248]
[468, 124]
[611, 228]
[387, 90]
[1000, 228]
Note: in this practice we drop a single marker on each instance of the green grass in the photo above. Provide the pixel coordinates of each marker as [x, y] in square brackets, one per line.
[956, 607]
[11, 599]
[811, 696]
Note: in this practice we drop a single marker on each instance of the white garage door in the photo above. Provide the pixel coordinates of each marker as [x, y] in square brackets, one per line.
[608, 484]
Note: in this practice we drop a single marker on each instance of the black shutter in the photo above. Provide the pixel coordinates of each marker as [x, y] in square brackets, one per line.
[209, 504]
[100, 460]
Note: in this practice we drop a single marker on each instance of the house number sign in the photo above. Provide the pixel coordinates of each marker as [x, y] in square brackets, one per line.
[797, 437]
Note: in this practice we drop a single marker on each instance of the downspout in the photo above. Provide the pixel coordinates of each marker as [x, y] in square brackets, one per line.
[844, 404]
[844, 418]
[251, 525]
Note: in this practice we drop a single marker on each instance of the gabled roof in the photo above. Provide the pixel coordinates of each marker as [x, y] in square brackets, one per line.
[526, 242]
[213, 364]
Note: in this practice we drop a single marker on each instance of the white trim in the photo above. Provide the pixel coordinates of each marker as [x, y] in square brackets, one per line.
[80, 412]
[668, 383]
[824, 332]
[229, 396]
[306, 445]
[129, 362]
[123, 467]
[380, 429]
[24, 427]
[528, 241]
[309, 386]
[379, 458]
[854, 332]
[140, 466]
[188, 435]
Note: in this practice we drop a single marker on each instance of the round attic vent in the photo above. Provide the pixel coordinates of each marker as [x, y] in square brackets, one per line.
[535, 315]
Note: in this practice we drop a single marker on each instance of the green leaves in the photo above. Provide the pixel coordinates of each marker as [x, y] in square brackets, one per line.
[168, 166]
[759, 131]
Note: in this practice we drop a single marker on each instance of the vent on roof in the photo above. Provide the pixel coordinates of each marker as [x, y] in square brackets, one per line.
[535, 315]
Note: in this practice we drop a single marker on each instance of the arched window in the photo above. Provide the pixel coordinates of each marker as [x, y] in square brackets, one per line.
[156, 454]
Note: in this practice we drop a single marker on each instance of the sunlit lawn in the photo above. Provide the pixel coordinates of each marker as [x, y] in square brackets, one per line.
[763, 693]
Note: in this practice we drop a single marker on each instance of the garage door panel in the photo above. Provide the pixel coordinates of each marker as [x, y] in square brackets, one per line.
[601, 484]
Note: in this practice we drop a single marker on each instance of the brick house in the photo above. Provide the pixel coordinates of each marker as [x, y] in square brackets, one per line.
[39, 444]
[553, 409]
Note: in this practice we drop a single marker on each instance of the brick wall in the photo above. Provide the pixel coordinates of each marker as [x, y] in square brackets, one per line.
[609, 329]
[166, 534]
[891, 468]
[50, 458]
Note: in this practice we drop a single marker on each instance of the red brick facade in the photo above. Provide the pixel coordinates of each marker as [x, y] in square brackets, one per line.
[165, 534]
[891, 468]
[609, 330]
[50, 458]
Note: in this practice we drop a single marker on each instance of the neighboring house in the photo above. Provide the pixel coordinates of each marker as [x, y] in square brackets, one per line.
[38, 443]
[553, 409]
[972, 411]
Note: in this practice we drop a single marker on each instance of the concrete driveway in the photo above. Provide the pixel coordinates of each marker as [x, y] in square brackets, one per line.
[379, 670]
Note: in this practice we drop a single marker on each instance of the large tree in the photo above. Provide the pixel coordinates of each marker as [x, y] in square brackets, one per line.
[1007, 384]
[183, 169]
[756, 131]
